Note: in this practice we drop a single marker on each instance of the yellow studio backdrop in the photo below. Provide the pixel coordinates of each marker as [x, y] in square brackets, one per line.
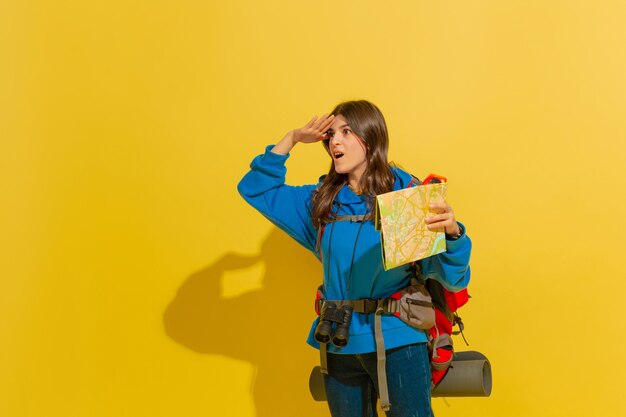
[136, 282]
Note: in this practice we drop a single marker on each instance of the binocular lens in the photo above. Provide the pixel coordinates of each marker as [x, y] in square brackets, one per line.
[325, 327]
[342, 332]
[340, 340]
[323, 330]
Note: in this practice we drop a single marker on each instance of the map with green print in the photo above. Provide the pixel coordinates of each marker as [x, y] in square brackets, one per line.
[400, 219]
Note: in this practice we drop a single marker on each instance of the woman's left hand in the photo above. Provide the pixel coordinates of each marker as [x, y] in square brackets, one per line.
[442, 216]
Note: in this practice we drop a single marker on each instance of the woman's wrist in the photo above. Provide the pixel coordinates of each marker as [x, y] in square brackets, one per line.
[285, 145]
[454, 234]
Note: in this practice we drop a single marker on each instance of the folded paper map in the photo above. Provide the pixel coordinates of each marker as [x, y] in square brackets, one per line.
[400, 215]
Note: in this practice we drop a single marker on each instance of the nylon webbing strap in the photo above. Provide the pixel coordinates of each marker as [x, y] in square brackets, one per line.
[383, 390]
[323, 362]
[355, 218]
[364, 305]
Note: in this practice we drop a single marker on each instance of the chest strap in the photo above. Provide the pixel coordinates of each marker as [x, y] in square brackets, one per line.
[353, 218]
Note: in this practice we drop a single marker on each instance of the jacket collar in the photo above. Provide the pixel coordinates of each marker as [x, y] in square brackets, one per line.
[347, 196]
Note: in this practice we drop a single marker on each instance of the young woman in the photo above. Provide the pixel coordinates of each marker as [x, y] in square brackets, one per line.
[355, 136]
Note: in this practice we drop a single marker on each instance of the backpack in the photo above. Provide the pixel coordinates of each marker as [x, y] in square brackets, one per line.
[441, 347]
[444, 302]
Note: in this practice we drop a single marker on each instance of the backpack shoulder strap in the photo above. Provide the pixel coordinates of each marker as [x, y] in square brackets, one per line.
[414, 182]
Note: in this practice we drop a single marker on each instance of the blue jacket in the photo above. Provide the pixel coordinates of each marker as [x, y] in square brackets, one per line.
[350, 252]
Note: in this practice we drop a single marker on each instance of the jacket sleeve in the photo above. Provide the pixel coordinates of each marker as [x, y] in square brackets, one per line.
[451, 268]
[288, 207]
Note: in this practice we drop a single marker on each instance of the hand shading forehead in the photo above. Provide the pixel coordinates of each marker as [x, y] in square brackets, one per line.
[339, 123]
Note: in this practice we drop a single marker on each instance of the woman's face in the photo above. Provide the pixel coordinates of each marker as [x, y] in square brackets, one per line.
[347, 149]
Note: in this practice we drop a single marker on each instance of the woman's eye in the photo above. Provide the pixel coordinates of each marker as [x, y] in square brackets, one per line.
[330, 134]
[347, 131]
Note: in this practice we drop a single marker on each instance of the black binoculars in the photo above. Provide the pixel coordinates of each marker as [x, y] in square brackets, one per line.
[332, 315]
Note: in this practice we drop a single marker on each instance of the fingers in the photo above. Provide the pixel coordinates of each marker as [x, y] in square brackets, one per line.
[315, 130]
[311, 122]
[439, 220]
[440, 208]
[327, 123]
[322, 123]
[443, 217]
[436, 227]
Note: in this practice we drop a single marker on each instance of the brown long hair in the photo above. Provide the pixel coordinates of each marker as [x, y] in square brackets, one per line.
[368, 123]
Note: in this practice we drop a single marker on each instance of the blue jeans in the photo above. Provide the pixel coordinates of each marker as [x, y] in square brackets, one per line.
[352, 383]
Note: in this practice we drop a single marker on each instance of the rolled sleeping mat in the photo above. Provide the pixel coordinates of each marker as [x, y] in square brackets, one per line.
[469, 375]
[316, 384]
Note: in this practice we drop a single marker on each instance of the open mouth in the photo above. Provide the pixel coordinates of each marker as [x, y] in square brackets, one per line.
[337, 155]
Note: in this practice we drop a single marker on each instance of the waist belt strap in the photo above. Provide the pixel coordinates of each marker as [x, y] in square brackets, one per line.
[365, 305]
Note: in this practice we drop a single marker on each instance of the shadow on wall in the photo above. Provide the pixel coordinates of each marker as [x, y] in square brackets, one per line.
[266, 327]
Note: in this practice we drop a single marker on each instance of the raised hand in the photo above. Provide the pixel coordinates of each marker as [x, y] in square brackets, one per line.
[315, 130]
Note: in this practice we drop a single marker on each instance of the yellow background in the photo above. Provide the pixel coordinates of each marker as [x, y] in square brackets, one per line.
[136, 282]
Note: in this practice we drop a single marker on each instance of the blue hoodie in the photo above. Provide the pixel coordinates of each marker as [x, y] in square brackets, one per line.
[350, 251]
